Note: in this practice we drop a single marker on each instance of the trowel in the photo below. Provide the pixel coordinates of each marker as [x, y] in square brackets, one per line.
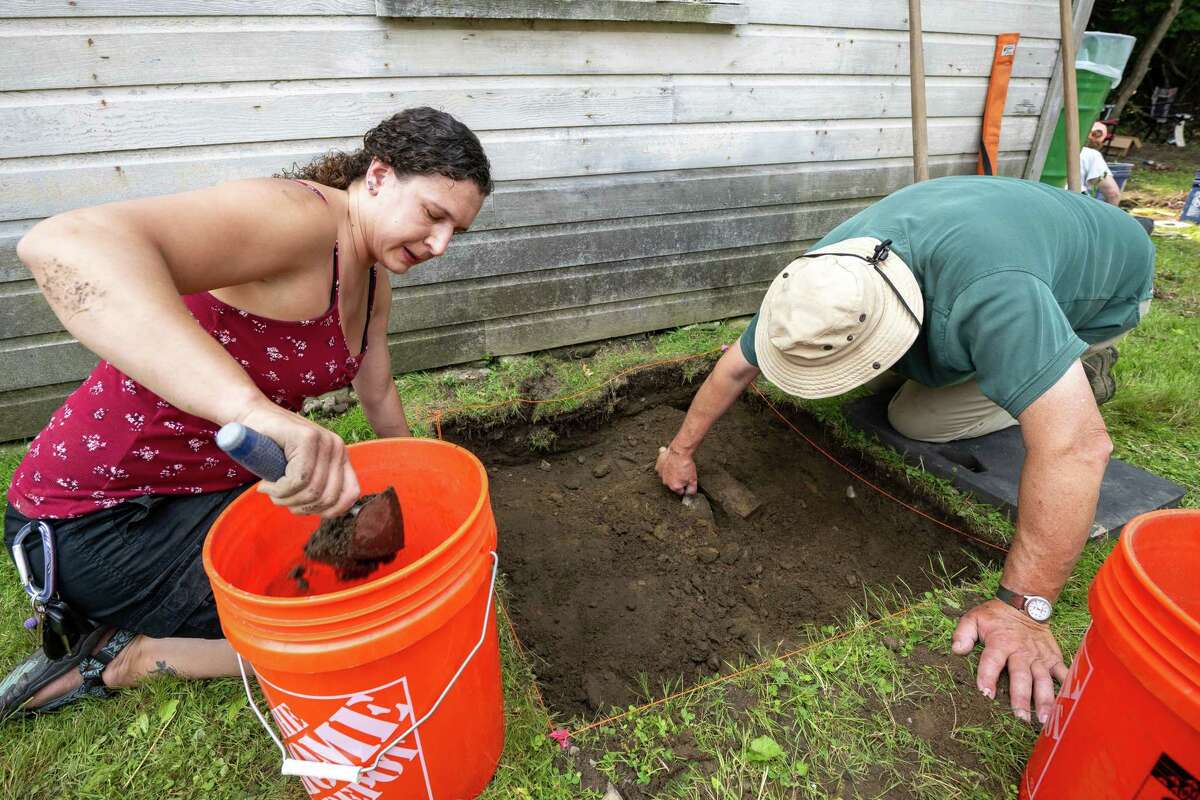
[356, 543]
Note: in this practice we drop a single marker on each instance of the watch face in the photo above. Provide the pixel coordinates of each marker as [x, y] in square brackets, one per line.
[1038, 608]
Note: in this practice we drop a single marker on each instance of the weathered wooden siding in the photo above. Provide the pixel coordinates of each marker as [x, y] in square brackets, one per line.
[651, 174]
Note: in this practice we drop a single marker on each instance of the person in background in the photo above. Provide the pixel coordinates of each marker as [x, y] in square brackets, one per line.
[1093, 169]
[230, 303]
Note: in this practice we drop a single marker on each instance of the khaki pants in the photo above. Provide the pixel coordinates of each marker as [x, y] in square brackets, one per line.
[949, 413]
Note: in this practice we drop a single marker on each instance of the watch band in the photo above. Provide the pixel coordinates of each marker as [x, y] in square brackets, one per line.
[1036, 607]
[1010, 597]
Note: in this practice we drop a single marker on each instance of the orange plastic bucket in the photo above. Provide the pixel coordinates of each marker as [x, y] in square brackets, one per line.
[386, 687]
[1127, 720]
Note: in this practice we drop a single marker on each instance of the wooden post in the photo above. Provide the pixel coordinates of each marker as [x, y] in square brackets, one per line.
[1070, 94]
[1052, 106]
[916, 71]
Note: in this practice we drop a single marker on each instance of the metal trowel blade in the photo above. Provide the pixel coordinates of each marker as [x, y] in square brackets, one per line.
[378, 526]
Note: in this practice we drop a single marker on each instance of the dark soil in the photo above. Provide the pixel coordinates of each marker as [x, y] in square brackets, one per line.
[612, 578]
[359, 542]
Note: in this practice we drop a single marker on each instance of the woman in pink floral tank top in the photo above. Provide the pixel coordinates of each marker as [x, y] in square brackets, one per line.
[226, 304]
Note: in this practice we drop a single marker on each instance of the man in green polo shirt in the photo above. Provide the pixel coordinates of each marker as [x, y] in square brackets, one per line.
[999, 300]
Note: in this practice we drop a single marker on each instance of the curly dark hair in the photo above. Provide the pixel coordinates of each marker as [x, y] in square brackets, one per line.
[417, 141]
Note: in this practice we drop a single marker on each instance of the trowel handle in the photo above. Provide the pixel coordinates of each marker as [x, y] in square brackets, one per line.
[254, 451]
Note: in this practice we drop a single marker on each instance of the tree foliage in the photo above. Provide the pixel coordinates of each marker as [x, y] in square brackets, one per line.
[1177, 61]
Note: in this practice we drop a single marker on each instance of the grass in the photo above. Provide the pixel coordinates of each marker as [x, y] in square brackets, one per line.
[839, 720]
[1162, 187]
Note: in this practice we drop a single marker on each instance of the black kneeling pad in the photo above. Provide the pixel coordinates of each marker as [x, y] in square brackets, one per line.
[989, 468]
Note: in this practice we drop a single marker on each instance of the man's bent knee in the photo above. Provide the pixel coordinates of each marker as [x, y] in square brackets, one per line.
[945, 414]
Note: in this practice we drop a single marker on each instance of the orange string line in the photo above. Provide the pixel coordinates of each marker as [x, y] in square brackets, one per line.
[752, 668]
[512, 632]
[879, 489]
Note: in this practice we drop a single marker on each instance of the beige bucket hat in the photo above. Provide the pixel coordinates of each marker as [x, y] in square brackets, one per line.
[830, 321]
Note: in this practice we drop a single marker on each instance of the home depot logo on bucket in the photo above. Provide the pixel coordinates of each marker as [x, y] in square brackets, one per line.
[1168, 780]
[1064, 708]
[351, 730]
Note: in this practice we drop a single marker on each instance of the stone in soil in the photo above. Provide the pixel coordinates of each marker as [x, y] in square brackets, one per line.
[727, 491]
[359, 542]
[329, 404]
[698, 506]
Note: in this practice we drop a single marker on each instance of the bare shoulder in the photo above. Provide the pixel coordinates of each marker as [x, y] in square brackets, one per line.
[236, 232]
[257, 208]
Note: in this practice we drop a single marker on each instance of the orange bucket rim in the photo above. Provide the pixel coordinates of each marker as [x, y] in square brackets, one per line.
[1127, 544]
[369, 587]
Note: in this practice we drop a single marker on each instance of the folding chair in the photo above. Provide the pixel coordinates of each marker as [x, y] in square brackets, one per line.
[1163, 116]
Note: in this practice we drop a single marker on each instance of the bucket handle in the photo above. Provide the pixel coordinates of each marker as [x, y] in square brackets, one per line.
[349, 773]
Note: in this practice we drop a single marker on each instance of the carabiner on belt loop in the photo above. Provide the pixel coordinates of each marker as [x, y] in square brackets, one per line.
[39, 595]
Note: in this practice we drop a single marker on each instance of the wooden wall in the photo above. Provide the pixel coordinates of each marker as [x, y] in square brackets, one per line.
[650, 174]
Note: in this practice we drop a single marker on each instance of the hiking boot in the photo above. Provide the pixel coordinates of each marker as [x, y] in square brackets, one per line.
[1098, 368]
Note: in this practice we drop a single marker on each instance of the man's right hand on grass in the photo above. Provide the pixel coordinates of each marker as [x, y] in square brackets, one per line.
[1012, 641]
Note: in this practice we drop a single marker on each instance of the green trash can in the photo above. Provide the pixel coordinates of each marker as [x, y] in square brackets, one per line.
[1098, 69]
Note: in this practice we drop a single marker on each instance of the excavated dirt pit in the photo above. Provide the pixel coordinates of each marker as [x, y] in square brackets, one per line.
[613, 582]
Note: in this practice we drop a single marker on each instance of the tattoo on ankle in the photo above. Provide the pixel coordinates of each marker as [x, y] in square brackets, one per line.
[163, 668]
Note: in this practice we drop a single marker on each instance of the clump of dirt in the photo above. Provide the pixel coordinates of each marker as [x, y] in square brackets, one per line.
[542, 386]
[297, 576]
[361, 540]
[613, 581]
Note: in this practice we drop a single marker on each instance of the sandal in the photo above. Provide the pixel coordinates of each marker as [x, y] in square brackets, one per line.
[37, 670]
[91, 667]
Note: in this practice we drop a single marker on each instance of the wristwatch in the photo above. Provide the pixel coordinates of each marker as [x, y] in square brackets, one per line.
[1038, 608]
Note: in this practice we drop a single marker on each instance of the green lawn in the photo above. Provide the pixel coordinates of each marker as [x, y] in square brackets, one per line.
[844, 718]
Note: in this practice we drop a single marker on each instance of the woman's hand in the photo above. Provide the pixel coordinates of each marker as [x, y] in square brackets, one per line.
[319, 478]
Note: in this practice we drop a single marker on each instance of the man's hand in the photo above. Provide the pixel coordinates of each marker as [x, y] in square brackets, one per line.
[677, 471]
[728, 380]
[1011, 639]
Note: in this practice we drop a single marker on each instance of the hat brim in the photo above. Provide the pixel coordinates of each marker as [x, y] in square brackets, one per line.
[877, 351]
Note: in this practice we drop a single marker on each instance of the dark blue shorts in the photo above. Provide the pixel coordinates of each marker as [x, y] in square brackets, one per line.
[136, 565]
